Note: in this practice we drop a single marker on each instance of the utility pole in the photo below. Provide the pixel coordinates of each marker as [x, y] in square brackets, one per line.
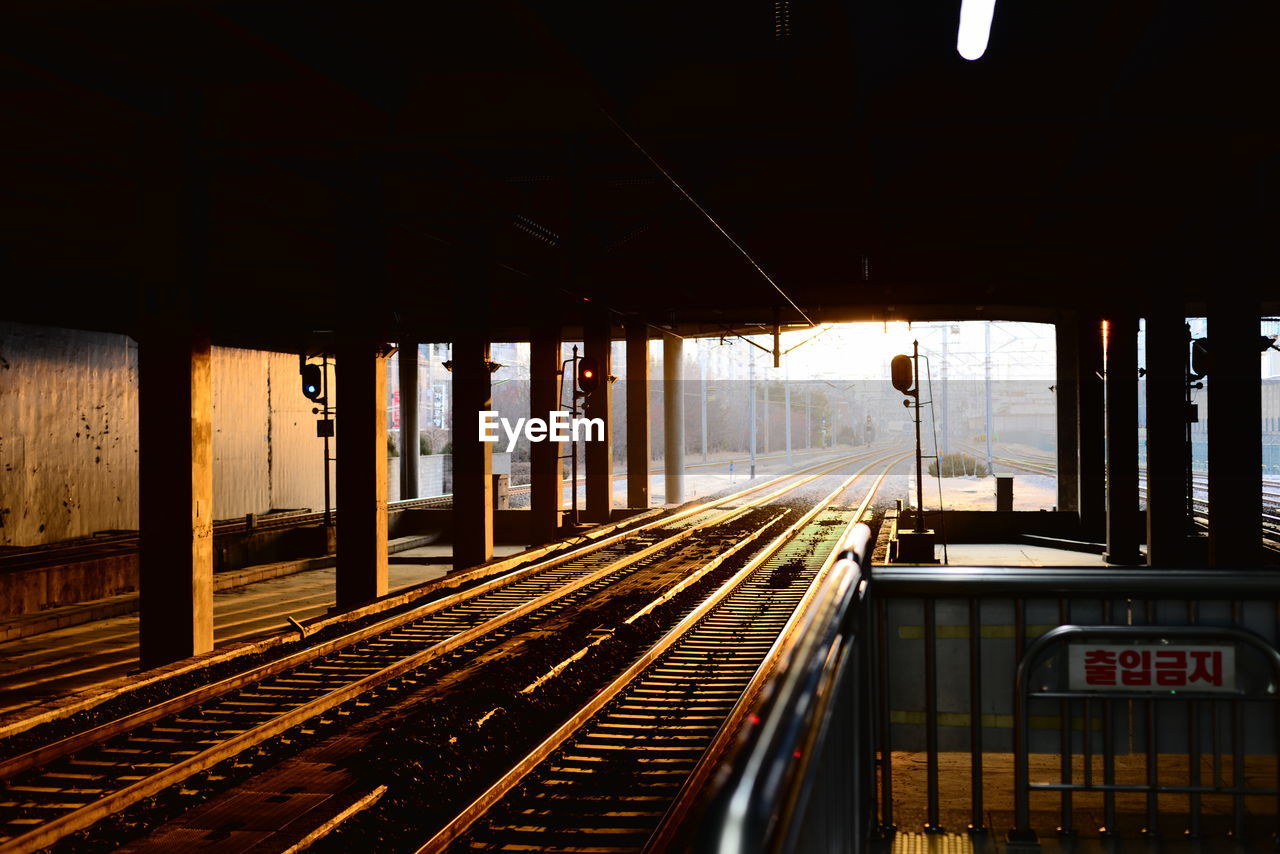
[327, 432]
[751, 386]
[786, 388]
[765, 384]
[990, 462]
[808, 417]
[835, 420]
[573, 442]
[702, 367]
[946, 426]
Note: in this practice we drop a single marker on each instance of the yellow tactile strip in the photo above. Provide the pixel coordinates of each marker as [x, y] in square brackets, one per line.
[932, 843]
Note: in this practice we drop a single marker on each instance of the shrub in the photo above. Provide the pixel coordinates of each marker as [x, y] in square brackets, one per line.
[958, 465]
[424, 445]
[392, 450]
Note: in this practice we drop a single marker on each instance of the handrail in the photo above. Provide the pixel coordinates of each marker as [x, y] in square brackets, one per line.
[768, 772]
[1055, 581]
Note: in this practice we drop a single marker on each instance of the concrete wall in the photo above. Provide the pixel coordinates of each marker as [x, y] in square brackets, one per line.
[265, 451]
[69, 434]
[435, 474]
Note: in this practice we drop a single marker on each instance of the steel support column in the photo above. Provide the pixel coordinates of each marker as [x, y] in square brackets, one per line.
[408, 362]
[545, 491]
[1090, 420]
[673, 410]
[1235, 437]
[1065, 392]
[361, 468]
[638, 438]
[1123, 527]
[598, 344]
[175, 438]
[1167, 523]
[472, 458]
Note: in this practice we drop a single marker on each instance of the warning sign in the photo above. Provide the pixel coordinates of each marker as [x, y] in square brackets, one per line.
[1151, 667]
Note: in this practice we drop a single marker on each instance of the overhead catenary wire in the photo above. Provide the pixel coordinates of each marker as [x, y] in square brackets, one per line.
[706, 214]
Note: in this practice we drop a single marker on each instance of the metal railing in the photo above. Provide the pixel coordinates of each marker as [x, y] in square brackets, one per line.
[955, 653]
[1143, 644]
[944, 675]
[799, 779]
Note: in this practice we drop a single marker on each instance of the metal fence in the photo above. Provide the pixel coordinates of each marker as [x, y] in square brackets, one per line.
[1154, 667]
[978, 671]
[976, 661]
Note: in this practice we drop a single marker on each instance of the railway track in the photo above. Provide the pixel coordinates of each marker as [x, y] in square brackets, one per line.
[67, 786]
[607, 777]
[1033, 465]
[1199, 499]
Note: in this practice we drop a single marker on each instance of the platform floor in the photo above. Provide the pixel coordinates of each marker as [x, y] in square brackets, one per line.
[1016, 554]
[1010, 554]
[35, 669]
[917, 842]
[910, 803]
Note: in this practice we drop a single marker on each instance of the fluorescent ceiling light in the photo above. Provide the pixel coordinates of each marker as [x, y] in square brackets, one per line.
[975, 27]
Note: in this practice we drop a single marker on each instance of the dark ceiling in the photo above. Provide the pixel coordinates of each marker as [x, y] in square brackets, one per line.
[411, 166]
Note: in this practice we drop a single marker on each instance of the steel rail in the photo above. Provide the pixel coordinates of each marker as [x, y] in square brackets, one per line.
[673, 591]
[42, 755]
[495, 792]
[89, 814]
[1024, 463]
[687, 797]
[569, 550]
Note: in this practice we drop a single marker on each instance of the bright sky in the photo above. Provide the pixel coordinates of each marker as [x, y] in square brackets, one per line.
[861, 351]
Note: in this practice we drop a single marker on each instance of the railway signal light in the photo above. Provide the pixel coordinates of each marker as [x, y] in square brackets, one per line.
[1199, 358]
[588, 375]
[1201, 354]
[900, 371]
[312, 382]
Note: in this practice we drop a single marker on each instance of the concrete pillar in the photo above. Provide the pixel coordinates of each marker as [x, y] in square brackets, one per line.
[1235, 437]
[362, 468]
[545, 492]
[673, 410]
[175, 438]
[1167, 523]
[409, 429]
[598, 453]
[638, 438]
[1123, 526]
[472, 458]
[1091, 454]
[1065, 392]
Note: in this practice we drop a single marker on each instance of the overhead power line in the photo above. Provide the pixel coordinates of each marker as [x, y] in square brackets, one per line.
[706, 214]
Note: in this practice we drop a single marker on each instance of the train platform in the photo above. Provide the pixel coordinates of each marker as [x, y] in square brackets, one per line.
[919, 842]
[97, 642]
[1015, 554]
